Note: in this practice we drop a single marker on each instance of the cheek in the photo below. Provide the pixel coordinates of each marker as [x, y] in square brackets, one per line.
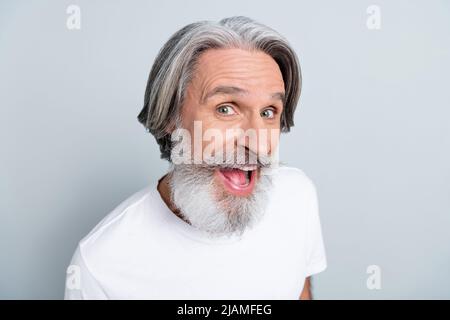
[188, 117]
[269, 139]
[214, 138]
[201, 116]
[206, 133]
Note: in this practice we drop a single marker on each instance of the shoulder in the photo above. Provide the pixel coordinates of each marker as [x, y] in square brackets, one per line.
[119, 214]
[120, 226]
[293, 191]
[295, 180]
[118, 239]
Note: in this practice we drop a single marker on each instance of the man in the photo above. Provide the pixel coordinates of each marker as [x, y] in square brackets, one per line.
[226, 222]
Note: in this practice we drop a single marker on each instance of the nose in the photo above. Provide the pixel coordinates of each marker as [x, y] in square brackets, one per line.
[257, 135]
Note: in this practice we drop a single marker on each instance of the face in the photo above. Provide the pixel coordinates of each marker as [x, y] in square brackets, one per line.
[233, 91]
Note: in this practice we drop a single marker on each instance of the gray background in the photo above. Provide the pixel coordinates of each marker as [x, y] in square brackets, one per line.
[372, 131]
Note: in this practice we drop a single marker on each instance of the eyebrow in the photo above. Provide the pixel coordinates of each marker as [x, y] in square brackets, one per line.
[239, 91]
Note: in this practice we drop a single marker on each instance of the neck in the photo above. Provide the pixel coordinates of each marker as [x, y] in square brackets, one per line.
[165, 192]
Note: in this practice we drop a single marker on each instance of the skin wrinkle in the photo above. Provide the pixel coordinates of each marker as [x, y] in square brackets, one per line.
[230, 90]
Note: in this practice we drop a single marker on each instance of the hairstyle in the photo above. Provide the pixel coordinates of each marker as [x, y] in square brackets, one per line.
[175, 65]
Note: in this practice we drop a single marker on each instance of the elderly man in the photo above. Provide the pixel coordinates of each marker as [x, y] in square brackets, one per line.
[226, 221]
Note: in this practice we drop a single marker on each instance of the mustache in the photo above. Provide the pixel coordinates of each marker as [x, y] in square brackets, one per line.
[238, 161]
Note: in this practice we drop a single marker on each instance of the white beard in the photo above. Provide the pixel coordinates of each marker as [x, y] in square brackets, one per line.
[208, 207]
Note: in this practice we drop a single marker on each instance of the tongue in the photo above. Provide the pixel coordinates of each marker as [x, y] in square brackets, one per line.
[236, 176]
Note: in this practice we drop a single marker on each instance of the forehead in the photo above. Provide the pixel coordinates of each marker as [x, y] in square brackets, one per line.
[254, 71]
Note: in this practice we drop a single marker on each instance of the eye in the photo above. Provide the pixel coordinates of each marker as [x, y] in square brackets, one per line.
[226, 110]
[268, 113]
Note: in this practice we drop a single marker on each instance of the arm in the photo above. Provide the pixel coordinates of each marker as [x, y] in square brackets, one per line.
[80, 283]
[315, 257]
[306, 292]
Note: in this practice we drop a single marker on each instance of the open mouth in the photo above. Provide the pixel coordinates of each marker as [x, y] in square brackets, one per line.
[239, 182]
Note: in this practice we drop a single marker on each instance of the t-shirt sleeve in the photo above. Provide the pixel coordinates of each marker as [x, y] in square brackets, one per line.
[316, 258]
[80, 283]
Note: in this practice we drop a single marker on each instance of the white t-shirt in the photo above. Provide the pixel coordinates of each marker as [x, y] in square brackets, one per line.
[141, 250]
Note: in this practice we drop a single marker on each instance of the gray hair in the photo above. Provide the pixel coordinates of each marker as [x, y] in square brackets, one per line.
[176, 61]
